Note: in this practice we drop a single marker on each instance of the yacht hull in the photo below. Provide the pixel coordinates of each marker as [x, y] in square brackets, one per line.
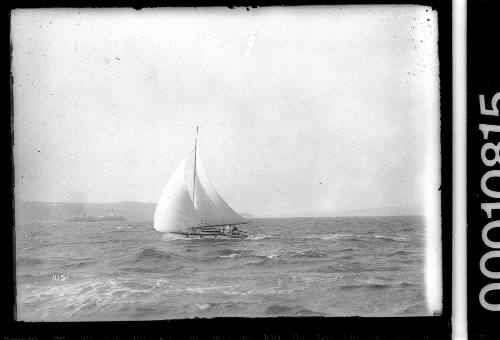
[211, 235]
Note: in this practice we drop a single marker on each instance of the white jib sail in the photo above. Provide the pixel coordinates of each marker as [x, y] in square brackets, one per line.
[210, 206]
[175, 210]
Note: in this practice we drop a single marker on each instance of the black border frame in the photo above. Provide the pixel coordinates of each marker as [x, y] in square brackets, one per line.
[353, 328]
[483, 78]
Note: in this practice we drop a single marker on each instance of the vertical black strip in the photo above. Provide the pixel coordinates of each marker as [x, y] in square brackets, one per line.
[483, 78]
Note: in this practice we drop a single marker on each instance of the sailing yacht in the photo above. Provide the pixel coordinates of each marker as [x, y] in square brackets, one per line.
[189, 205]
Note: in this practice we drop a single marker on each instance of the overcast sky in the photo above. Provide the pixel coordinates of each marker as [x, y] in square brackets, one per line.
[300, 109]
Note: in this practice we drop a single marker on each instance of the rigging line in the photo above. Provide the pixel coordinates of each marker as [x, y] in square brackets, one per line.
[194, 168]
[194, 173]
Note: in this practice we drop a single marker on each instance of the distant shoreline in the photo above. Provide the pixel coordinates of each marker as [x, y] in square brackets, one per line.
[140, 211]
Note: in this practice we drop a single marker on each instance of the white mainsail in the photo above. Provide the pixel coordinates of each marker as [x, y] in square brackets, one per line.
[175, 210]
[180, 207]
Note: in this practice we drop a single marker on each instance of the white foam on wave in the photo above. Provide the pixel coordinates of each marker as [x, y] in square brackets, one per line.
[335, 236]
[202, 306]
[391, 238]
[231, 255]
[101, 291]
[204, 290]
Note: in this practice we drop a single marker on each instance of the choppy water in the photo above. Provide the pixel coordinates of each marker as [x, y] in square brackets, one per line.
[368, 266]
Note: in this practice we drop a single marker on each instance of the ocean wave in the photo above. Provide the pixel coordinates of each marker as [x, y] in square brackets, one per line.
[73, 292]
[404, 284]
[231, 253]
[308, 253]
[228, 252]
[376, 285]
[259, 237]
[228, 289]
[146, 270]
[356, 237]
[343, 257]
[92, 296]
[203, 306]
[28, 261]
[356, 268]
[335, 236]
[151, 253]
[77, 265]
[330, 269]
[290, 311]
[140, 311]
[111, 241]
[406, 229]
[289, 274]
[215, 305]
[362, 286]
[415, 308]
[168, 237]
[400, 253]
[265, 259]
[391, 238]
[30, 278]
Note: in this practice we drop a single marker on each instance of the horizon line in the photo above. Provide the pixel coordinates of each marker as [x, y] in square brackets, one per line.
[339, 213]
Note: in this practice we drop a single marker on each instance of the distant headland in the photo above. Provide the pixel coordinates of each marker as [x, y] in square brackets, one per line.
[35, 211]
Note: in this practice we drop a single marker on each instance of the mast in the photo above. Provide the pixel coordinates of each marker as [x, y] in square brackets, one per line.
[194, 169]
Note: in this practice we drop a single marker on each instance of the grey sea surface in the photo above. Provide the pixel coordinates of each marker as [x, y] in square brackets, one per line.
[343, 266]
